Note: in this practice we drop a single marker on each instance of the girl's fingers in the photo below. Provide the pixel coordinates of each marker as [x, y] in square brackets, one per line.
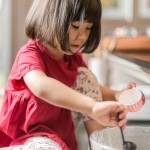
[114, 122]
[122, 121]
[122, 125]
[121, 109]
[131, 85]
[122, 116]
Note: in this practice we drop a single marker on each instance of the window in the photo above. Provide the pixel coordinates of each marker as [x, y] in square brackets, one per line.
[117, 9]
[5, 36]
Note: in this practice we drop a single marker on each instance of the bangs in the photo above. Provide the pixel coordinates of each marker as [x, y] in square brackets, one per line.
[93, 12]
[89, 10]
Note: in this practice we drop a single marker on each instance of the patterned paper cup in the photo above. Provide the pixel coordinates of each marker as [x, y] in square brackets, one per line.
[132, 98]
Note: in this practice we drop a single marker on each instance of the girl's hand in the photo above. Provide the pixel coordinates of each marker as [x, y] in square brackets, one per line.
[129, 86]
[106, 113]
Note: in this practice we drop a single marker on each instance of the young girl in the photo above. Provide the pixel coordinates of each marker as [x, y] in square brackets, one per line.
[49, 79]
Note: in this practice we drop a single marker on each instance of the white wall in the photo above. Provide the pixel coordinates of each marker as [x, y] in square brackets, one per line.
[12, 35]
[5, 44]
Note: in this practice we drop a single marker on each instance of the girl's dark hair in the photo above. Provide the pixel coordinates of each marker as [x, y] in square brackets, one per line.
[49, 20]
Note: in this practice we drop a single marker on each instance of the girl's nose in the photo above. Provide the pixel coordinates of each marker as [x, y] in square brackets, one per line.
[83, 34]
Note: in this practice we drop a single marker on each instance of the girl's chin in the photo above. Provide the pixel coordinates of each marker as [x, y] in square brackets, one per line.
[74, 48]
[74, 51]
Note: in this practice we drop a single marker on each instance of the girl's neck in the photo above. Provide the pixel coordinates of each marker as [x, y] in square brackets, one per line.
[54, 52]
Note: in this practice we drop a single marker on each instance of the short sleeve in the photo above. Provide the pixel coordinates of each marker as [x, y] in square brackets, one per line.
[27, 60]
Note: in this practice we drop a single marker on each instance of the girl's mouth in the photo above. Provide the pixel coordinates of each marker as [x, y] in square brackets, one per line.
[74, 47]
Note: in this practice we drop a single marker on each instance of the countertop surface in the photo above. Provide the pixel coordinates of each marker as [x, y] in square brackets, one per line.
[140, 58]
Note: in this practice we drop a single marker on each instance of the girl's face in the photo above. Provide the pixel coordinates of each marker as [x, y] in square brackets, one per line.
[78, 34]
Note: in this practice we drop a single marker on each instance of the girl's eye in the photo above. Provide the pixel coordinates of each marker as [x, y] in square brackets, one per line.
[74, 26]
[89, 28]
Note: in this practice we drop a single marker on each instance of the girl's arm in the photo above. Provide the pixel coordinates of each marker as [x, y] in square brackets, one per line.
[108, 94]
[113, 95]
[58, 94]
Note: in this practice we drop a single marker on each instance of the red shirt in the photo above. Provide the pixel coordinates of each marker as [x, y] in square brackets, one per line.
[23, 114]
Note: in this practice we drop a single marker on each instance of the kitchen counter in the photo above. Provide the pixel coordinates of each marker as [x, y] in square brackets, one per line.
[126, 67]
[141, 59]
[123, 68]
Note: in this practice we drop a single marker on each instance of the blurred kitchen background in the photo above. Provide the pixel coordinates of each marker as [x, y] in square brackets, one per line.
[122, 17]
